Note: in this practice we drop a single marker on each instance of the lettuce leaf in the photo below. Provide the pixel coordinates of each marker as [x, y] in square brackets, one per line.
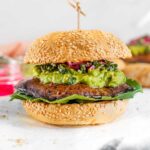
[83, 99]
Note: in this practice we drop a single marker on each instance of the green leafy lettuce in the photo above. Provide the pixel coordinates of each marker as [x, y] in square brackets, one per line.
[82, 99]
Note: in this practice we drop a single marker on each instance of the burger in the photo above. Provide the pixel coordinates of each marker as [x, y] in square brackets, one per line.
[138, 67]
[74, 81]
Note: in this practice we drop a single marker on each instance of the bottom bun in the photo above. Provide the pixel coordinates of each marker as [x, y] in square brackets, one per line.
[139, 72]
[76, 114]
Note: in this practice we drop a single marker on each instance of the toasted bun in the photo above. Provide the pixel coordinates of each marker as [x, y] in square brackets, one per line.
[76, 46]
[76, 114]
[139, 72]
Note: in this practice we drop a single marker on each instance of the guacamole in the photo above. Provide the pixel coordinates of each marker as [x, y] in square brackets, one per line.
[99, 76]
[139, 49]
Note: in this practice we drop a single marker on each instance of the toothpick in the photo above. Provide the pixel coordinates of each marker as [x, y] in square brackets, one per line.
[76, 5]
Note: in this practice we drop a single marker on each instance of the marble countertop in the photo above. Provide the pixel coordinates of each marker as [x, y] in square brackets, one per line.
[131, 131]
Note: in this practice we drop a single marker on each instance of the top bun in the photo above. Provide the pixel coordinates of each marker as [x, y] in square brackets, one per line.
[76, 46]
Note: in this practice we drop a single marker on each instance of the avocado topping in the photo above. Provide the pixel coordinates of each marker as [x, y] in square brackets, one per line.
[140, 46]
[139, 49]
[95, 74]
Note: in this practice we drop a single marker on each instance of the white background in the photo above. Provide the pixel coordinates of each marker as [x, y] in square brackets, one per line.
[28, 19]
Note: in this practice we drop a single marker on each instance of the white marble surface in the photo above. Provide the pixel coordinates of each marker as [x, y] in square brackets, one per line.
[29, 19]
[131, 131]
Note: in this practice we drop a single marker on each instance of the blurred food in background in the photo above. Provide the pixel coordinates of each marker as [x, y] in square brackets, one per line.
[138, 67]
[121, 64]
[13, 50]
[27, 70]
[140, 49]
[11, 68]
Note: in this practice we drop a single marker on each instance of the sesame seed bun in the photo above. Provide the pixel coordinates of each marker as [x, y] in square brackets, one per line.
[76, 114]
[139, 72]
[76, 46]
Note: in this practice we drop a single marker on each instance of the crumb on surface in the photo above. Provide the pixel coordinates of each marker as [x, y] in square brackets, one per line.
[137, 108]
[19, 141]
[3, 116]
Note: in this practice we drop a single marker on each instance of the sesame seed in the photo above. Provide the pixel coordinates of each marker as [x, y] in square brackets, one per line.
[74, 46]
